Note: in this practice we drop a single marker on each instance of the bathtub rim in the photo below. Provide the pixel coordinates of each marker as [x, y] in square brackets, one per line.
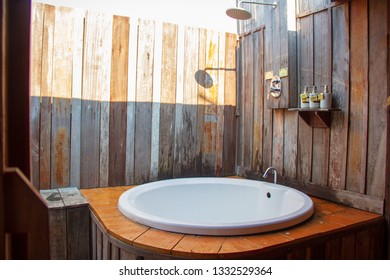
[223, 229]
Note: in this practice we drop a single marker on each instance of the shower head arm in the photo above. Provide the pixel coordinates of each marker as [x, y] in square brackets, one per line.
[274, 4]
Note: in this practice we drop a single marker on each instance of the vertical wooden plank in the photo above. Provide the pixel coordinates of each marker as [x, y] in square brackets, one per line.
[248, 100]
[220, 104]
[186, 138]
[340, 96]
[357, 140]
[168, 100]
[378, 92]
[179, 101]
[62, 93]
[291, 144]
[322, 76]
[240, 106]
[118, 101]
[211, 98]
[363, 245]
[78, 43]
[104, 88]
[143, 106]
[278, 140]
[155, 142]
[229, 127]
[46, 95]
[204, 83]
[305, 78]
[35, 88]
[96, 59]
[131, 95]
[258, 100]
[77, 220]
[348, 244]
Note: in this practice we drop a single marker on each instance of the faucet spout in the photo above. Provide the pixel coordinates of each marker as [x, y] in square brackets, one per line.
[271, 169]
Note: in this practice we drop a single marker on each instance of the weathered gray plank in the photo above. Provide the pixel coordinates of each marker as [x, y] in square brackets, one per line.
[36, 77]
[305, 77]
[143, 106]
[322, 76]
[229, 132]
[46, 95]
[118, 101]
[340, 97]
[94, 92]
[186, 138]
[248, 94]
[78, 41]
[168, 100]
[377, 119]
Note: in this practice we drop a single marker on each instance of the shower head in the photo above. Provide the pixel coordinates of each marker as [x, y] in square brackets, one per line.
[238, 13]
[242, 14]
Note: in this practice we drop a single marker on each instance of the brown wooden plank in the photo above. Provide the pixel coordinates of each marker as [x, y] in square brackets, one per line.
[240, 106]
[61, 94]
[322, 76]
[185, 138]
[78, 41]
[35, 91]
[211, 99]
[204, 247]
[229, 132]
[93, 152]
[305, 78]
[118, 100]
[248, 94]
[278, 140]
[103, 87]
[377, 119]
[158, 241]
[46, 95]
[78, 236]
[220, 104]
[291, 145]
[32, 222]
[258, 101]
[131, 100]
[168, 100]
[340, 97]
[143, 106]
[202, 85]
[357, 138]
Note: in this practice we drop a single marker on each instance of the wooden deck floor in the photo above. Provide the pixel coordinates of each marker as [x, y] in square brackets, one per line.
[333, 232]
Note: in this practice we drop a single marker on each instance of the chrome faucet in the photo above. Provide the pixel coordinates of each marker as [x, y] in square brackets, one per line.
[271, 169]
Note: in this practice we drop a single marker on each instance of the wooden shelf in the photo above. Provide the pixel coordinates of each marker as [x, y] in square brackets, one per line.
[319, 118]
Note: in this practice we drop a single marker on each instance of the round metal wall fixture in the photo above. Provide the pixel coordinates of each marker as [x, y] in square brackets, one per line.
[275, 87]
[238, 13]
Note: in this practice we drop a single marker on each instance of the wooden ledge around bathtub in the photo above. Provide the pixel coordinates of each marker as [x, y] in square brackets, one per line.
[329, 219]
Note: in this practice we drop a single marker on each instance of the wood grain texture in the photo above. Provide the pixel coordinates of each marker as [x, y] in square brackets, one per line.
[46, 95]
[377, 119]
[358, 118]
[144, 95]
[168, 100]
[118, 100]
[340, 94]
[62, 93]
[305, 78]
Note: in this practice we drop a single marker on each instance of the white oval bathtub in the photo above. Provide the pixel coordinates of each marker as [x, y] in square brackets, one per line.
[215, 206]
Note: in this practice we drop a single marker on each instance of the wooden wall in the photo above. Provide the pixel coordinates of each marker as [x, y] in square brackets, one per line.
[342, 44]
[120, 101]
